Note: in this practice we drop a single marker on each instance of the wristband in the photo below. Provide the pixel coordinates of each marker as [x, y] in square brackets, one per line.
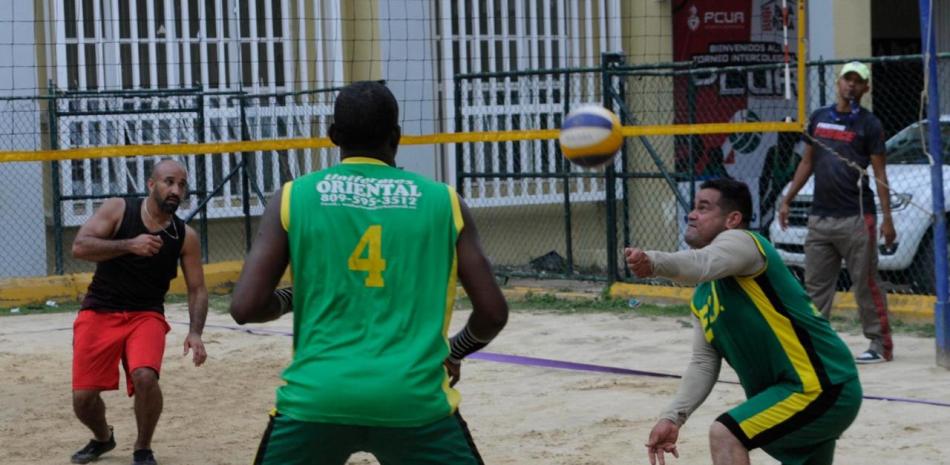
[464, 343]
[285, 296]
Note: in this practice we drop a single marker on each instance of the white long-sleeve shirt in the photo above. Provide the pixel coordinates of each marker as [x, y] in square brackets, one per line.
[732, 253]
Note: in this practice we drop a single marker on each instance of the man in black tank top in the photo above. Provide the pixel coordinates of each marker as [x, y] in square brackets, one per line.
[137, 245]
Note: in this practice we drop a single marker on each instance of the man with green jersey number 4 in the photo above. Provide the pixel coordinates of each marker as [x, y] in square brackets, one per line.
[374, 252]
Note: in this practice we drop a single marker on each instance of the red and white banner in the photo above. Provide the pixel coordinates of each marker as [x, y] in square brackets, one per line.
[719, 33]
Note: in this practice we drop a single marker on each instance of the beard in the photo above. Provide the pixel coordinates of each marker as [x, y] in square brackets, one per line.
[169, 205]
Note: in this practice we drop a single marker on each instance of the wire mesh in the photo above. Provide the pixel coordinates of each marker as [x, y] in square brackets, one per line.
[524, 183]
[538, 215]
[227, 191]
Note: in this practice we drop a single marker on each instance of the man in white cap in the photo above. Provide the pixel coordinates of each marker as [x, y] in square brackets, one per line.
[842, 223]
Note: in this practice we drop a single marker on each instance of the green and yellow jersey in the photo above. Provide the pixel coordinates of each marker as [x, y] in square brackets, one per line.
[792, 343]
[373, 259]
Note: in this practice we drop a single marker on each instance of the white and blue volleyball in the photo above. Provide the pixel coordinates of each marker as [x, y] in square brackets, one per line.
[590, 135]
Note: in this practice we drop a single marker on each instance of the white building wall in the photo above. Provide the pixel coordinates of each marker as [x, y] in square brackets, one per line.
[821, 30]
[21, 184]
[408, 66]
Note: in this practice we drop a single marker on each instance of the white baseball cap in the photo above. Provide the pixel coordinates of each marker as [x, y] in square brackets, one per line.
[856, 67]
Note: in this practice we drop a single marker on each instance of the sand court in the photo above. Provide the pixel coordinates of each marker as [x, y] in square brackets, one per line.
[519, 412]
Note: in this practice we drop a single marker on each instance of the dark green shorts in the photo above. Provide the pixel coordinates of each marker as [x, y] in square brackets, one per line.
[291, 442]
[791, 428]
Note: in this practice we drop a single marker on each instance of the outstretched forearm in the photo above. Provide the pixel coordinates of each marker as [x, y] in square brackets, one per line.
[731, 253]
[698, 381]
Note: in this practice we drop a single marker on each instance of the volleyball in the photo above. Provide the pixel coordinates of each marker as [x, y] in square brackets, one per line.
[590, 135]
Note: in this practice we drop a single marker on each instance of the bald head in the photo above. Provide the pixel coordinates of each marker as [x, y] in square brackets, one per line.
[165, 166]
[168, 185]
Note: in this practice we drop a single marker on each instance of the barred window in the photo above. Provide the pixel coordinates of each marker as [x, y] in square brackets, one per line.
[501, 36]
[219, 46]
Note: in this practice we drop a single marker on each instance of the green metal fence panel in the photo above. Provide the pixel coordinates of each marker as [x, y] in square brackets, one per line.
[47, 202]
[644, 196]
[537, 214]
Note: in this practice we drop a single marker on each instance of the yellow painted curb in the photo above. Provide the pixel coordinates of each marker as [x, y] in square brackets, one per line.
[219, 279]
[917, 308]
[670, 294]
[23, 291]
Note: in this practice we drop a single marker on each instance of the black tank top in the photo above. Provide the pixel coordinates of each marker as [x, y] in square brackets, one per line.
[133, 283]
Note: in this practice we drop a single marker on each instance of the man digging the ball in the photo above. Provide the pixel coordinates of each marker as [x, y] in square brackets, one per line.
[799, 378]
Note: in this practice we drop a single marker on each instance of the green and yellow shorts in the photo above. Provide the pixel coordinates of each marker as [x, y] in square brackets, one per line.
[291, 442]
[794, 427]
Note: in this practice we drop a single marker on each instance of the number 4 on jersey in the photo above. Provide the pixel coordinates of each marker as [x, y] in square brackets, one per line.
[374, 264]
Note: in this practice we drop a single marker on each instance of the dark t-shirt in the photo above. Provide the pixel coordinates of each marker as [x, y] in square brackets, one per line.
[855, 136]
[131, 282]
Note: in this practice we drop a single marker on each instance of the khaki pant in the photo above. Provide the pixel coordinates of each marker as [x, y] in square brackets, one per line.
[853, 239]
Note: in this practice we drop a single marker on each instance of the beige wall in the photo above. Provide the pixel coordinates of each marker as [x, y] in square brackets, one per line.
[39, 37]
[361, 48]
[852, 19]
[512, 236]
[359, 41]
[852, 28]
[648, 31]
[648, 39]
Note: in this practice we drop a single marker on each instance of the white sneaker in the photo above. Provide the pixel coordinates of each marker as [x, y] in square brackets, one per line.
[868, 357]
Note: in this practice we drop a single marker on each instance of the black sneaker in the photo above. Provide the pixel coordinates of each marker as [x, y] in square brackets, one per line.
[94, 449]
[868, 357]
[143, 457]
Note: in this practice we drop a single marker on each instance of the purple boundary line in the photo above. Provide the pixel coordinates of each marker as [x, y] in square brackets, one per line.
[515, 360]
[564, 365]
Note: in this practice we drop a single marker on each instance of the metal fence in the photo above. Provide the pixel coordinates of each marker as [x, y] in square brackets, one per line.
[44, 204]
[537, 214]
[542, 217]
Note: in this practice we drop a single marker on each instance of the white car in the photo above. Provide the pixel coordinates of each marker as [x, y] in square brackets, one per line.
[909, 263]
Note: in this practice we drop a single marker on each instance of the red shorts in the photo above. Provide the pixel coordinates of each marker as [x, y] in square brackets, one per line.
[102, 339]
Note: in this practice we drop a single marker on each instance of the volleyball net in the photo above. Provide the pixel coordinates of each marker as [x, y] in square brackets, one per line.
[242, 91]
[503, 156]
[294, 49]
